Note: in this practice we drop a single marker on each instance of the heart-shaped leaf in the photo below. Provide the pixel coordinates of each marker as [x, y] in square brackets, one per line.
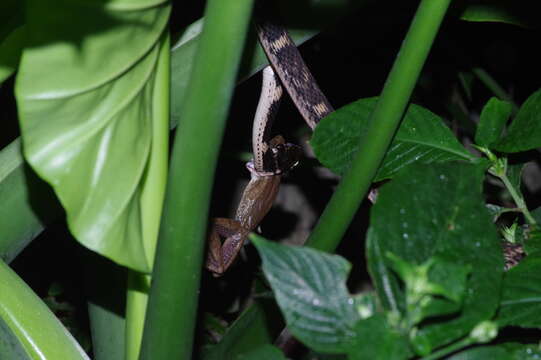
[92, 98]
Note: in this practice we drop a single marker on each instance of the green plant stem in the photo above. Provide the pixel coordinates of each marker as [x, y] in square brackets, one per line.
[151, 201]
[172, 308]
[384, 122]
[519, 200]
[493, 86]
[467, 341]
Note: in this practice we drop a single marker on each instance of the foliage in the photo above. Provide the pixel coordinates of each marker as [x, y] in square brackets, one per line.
[95, 86]
[433, 252]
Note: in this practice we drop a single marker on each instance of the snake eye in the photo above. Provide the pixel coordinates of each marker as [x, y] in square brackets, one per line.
[285, 157]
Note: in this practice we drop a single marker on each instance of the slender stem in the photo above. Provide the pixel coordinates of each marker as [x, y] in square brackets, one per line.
[519, 200]
[450, 349]
[172, 308]
[384, 122]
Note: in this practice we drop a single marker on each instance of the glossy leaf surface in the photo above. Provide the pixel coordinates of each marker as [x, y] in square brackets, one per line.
[86, 97]
[422, 137]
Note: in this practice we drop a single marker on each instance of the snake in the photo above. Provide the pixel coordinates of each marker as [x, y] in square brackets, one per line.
[272, 156]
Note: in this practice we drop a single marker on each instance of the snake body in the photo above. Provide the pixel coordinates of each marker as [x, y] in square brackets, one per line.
[288, 64]
[272, 156]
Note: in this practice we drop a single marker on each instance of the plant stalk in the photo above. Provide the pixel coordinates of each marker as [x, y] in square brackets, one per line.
[171, 313]
[519, 200]
[384, 122]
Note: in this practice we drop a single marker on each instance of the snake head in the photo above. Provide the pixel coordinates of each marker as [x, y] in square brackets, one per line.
[280, 156]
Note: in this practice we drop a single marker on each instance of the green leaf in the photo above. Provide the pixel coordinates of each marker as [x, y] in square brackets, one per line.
[521, 13]
[28, 203]
[310, 289]
[93, 131]
[433, 211]
[11, 36]
[10, 52]
[422, 137]
[525, 131]
[38, 331]
[521, 296]
[492, 121]
[377, 339]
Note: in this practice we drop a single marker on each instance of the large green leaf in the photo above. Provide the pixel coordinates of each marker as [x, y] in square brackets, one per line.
[437, 210]
[310, 288]
[36, 328]
[91, 101]
[422, 137]
[521, 295]
[525, 131]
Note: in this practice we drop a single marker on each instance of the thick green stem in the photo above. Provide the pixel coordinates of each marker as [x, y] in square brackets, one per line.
[383, 125]
[172, 309]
